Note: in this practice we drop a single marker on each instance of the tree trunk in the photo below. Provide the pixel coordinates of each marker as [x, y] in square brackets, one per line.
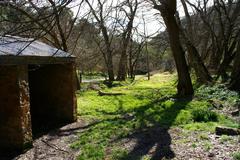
[227, 60]
[77, 81]
[213, 61]
[130, 59]
[80, 76]
[122, 69]
[126, 37]
[148, 65]
[110, 70]
[235, 75]
[200, 69]
[168, 11]
[196, 61]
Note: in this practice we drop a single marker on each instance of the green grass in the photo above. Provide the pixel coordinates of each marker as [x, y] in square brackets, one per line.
[225, 138]
[93, 75]
[144, 105]
[207, 146]
[236, 156]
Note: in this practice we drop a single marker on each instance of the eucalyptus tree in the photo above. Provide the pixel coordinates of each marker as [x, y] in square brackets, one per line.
[168, 9]
[195, 59]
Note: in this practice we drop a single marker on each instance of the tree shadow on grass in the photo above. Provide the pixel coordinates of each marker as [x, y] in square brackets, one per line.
[155, 140]
[147, 126]
[151, 132]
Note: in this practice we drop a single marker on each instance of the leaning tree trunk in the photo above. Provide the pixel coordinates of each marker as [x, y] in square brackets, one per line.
[168, 10]
[200, 69]
[196, 62]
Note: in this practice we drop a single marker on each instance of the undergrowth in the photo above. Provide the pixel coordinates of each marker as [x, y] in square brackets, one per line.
[218, 92]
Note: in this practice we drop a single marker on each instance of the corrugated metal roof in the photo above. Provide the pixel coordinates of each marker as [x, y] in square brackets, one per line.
[16, 46]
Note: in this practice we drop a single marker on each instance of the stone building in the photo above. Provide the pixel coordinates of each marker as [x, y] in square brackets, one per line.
[37, 90]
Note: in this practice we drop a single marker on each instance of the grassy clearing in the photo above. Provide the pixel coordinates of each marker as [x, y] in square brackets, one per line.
[144, 105]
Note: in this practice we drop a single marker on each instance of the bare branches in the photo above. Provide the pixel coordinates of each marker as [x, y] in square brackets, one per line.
[43, 17]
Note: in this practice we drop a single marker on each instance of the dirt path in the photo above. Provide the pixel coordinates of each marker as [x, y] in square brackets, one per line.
[55, 145]
[160, 144]
[173, 143]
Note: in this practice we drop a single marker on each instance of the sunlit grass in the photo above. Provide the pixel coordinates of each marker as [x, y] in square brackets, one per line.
[144, 104]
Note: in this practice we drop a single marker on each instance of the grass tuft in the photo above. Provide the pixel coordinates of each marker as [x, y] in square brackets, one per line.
[236, 156]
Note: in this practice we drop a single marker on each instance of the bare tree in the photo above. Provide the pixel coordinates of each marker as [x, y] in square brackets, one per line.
[129, 7]
[167, 9]
[102, 14]
[146, 47]
[135, 49]
[221, 22]
[196, 61]
[43, 20]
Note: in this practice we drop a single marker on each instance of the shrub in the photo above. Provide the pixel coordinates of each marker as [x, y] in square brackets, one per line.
[204, 115]
[184, 117]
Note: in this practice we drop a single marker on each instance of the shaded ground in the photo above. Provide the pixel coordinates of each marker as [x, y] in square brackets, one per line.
[155, 143]
[55, 145]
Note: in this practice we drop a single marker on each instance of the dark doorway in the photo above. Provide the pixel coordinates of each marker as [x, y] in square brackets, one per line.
[51, 97]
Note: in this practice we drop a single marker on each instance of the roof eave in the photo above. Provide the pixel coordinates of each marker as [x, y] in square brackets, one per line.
[21, 60]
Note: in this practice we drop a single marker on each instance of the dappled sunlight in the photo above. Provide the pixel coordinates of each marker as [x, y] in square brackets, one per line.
[119, 79]
[139, 123]
[147, 124]
[144, 111]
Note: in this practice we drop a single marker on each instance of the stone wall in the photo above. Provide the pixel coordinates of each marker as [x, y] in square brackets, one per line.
[15, 122]
[31, 97]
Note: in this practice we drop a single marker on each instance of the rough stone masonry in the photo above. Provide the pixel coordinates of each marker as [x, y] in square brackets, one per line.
[33, 98]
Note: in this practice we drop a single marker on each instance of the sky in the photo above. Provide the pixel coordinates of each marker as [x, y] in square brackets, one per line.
[152, 18]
